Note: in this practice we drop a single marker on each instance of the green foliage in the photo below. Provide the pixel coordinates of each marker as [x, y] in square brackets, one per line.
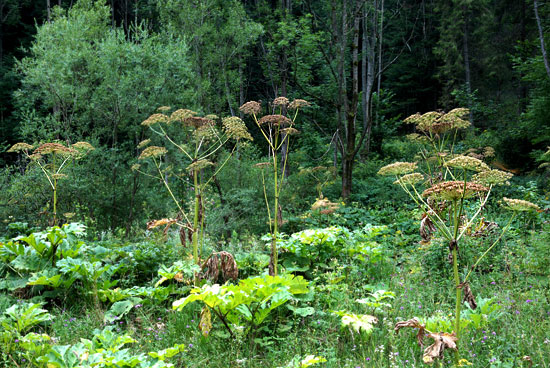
[315, 248]
[250, 302]
[107, 349]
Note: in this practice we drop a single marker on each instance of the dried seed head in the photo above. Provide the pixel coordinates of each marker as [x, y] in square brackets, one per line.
[297, 103]
[199, 165]
[235, 128]
[397, 168]
[417, 138]
[18, 147]
[413, 119]
[262, 165]
[135, 167]
[152, 151]
[197, 122]
[59, 176]
[280, 101]
[467, 163]
[489, 152]
[324, 204]
[213, 117]
[279, 120]
[83, 146]
[493, 177]
[54, 148]
[164, 108]
[143, 143]
[438, 122]
[290, 131]
[251, 108]
[412, 179]
[519, 205]
[155, 119]
[453, 190]
[204, 133]
[181, 114]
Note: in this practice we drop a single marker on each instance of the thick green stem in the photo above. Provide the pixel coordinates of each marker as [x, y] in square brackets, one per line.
[275, 218]
[458, 297]
[54, 201]
[196, 218]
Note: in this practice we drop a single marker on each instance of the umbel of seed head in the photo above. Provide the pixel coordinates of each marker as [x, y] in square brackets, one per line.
[251, 108]
[54, 148]
[235, 128]
[199, 165]
[152, 151]
[519, 205]
[297, 103]
[280, 101]
[411, 179]
[397, 168]
[493, 177]
[155, 119]
[18, 147]
[181, 114]
[467, 163]
[453, 190]
[278, 120]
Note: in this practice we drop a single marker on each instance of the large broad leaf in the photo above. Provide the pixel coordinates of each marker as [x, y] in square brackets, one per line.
[359, 322]
[302, 312]
[119, 309]
[24, 316]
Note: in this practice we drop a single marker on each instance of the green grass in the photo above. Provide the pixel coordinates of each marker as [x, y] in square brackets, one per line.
[520, 288]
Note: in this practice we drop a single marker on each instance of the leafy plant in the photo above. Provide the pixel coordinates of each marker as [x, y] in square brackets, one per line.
[449, 202]
[53, 159]
[250, 302]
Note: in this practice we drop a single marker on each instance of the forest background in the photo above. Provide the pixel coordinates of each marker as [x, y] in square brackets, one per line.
[93, 71]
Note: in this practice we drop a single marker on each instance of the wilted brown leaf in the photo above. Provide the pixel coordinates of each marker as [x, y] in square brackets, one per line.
[468, 295]
[414, 323]
[156, 223]
[221, 261]
[442, 341]
[426, 228]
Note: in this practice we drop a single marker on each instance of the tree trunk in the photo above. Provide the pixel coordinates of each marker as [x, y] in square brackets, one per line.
[466, 54]
[380, 40]
[351, 106]
[367, 80]
[541, 36]
[49, 11]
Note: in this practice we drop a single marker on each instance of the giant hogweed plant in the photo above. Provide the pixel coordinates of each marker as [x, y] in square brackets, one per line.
[53, 159]
[276, 128]
[457, 189]
[199, 140]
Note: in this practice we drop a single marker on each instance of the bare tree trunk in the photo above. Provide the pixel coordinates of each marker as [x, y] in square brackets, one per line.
[351, 109]
[241, 87]
[541, 36]
[49, 10]
[380, 41]
[113, 14]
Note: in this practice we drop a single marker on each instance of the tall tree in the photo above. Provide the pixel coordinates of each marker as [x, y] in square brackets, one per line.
[541, 38]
